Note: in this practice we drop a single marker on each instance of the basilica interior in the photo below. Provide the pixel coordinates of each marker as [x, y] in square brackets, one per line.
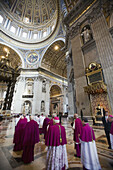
[56, 56]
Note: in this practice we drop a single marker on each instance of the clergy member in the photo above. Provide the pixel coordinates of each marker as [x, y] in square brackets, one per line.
[89, 157]
[56, 142]
[19, 133]
[77, 126]
[17, 119]
[31, 137]
[41, 121]
[111, 130]
[51, 121]
[45, 124]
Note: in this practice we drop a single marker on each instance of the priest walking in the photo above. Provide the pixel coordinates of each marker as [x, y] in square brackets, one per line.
[56, 142]
[31, 137]
[89, 157]
[77, 126]
[19, 134]
[45, 124]
[111, 130]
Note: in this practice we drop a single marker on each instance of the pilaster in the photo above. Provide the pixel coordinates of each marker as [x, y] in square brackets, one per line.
[104, 44]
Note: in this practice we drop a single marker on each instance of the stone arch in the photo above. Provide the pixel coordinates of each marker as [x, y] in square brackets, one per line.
[19, 54]
[54, 58]
[56, 99]
[62, 39]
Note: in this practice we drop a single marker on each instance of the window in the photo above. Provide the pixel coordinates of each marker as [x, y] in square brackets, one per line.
[44, 34]
[24, 34]
[53, 27]
[12, 29]
[35, 36]
[1, 19]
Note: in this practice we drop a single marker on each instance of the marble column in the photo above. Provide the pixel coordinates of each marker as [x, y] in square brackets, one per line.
[71, 93]
[7, 96]
[17, 99]
[104, 44]
[47, 103]
[11, 94]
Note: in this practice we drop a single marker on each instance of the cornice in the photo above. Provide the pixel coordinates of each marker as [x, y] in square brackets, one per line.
[79, 9]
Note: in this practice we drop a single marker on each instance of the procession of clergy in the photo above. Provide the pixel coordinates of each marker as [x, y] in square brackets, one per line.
[27, 132]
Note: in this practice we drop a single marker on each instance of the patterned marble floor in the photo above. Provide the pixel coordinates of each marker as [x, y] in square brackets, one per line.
[12, 160]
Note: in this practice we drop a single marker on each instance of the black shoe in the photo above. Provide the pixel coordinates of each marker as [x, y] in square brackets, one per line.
[75, 155]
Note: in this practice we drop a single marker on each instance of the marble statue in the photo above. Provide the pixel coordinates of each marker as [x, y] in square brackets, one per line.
[44, 86]
[42, 106]
[86, 34]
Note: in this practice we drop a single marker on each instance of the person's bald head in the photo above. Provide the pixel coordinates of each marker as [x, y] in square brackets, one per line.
[75, 115]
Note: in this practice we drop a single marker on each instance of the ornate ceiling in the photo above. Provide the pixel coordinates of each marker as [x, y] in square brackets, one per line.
[55, 91]
[29, 20]
[70, 4]
[54, 60]
[33, 12]
[12, 56]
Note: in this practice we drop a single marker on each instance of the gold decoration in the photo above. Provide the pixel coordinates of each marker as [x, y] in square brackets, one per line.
[94, 88]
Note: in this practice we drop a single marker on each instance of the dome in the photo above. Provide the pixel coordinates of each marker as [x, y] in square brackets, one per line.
[35, 19]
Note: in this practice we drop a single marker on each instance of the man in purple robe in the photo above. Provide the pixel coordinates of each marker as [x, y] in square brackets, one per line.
[31, 137]
[111, 130]
[45, 124]
[89, 157]
[51, 121]
[19, 134]
[56, 142]
[77, 126]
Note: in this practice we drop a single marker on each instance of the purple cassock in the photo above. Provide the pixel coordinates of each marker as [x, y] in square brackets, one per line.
[51, 122]
[19, 134]
[111, 131]
[31, 137]
[89, 157]
[53, 135]
[45, 124]
[87, 133]
[111, 135]
[56, 142]
[77, 132]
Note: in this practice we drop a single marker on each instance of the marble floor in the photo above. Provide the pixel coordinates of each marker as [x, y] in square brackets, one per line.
[12, 160]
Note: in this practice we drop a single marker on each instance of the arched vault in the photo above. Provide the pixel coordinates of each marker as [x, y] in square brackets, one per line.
[54, 59]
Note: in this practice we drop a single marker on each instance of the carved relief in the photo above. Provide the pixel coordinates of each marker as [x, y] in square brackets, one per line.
[95, 14]
[74, 30]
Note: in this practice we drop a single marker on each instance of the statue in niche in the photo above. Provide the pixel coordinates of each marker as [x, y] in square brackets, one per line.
[55, 108]
[86, 35]
[42, 106]
[26, 109]
[29, 88]
[44, 86]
